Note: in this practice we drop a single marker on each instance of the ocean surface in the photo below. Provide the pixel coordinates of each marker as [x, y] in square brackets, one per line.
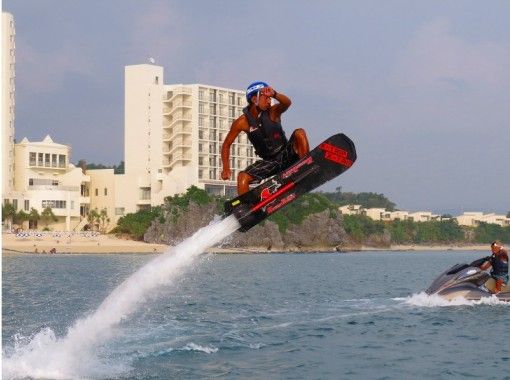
[250, 316]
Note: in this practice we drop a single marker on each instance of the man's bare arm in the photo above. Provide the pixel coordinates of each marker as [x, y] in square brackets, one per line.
[236, 128]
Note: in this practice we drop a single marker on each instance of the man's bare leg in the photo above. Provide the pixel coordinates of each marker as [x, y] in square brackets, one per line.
[301, 145]
[243, 183]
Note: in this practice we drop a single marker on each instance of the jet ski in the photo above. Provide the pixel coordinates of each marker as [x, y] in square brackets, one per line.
[467, 281]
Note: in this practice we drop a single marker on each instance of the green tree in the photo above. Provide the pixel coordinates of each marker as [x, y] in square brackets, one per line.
[92, 218]
[33, 217]
[103, 220]
[135, 224]
[8, 213]
[21, 217]
[119, 169]
[48, 216]
[367, 200]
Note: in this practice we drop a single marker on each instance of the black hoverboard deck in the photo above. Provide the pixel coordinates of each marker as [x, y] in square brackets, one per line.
[327, 161]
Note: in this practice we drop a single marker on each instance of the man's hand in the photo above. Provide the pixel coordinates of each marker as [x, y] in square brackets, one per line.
[268, 91]
[226, 174]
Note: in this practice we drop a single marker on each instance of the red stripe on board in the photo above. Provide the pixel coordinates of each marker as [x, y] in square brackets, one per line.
[285, 188]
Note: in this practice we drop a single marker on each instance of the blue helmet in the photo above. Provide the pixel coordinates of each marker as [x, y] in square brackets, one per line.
[254, 88]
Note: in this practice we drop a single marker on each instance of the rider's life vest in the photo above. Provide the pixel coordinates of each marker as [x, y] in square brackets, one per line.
[266, 136]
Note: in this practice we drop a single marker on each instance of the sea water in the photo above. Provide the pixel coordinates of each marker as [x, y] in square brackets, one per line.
[313, 316]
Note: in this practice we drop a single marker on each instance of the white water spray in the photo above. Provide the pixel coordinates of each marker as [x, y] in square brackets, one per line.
[71, 356]
[425, 300]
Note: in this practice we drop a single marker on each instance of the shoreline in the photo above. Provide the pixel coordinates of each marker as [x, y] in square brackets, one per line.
[106, 244]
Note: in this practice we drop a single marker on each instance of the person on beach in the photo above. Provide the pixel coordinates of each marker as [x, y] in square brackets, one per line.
[499, 263]
[261, 121]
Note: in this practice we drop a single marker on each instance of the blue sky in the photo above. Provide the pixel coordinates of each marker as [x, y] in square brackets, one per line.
[422, 87]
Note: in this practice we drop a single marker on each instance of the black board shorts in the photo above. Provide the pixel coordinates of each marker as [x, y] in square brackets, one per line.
[262, 169]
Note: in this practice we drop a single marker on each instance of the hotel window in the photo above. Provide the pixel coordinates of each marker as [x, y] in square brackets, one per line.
[97, 192]
[201, 107]
[119, 210]
[200, 133]
[212, 95]
[221, 97]
[26, 205]
[212, 134]
[156, 80]
[231, 111]
[231, 98]
[201, 160]
[54, 160]
[212, 109]
[47, 160]
[212, 122]
[200, 147]
[40, 159]
[145, 193]
[105, 191]
[201, 121]
[33, 158]
[200, 173]
[15, 204]
[212, 174]
[61, 161]
[200, 94]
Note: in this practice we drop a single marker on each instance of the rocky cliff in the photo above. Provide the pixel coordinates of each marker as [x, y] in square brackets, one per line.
[322, 230]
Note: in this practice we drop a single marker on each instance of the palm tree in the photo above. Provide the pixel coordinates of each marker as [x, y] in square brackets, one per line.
[92, 218]
[33, 218]
[20, 217]
[103, 220]
[8, 213]
[47, 216]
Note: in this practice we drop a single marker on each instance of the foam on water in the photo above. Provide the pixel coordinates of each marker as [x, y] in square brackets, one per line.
[425, 300]
[73, 356]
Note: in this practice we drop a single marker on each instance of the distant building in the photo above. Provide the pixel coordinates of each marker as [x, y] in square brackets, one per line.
[422, 216]
[350, 209]
[44, 177]
[474, 218]
[173, 139]
[374, 213]
[471, 219]
[8, 101]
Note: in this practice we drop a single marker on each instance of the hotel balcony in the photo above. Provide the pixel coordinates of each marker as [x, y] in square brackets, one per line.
[47, 165]
[176, 105]
[179, 91]
[172, 121]
[173, 159]
[54, 188]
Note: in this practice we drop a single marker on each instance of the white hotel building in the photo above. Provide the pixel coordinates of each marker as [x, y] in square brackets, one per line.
[8, 101]
[173, 139]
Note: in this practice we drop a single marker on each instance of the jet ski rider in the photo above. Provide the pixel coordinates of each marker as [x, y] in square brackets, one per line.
[499, 263]
[261, 121]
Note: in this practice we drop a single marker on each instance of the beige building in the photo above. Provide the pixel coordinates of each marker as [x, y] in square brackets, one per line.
[474, 218]
[173, 139]
[44, 177]
[351, 209]
[8, 102]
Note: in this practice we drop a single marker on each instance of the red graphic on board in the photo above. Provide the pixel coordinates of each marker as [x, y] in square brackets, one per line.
[336, 154]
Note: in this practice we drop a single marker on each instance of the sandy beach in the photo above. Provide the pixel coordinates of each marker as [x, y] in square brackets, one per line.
[75, 243]
[101, 244]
